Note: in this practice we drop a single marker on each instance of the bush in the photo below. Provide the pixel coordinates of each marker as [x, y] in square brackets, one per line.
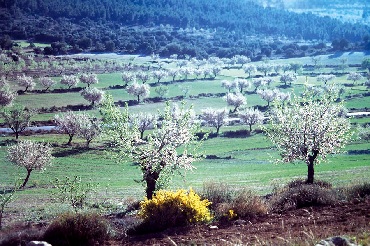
[77, 229]
[17, 237]
[168, 209]
[237, 134]
[358, 191]
[245, 205]
[298, 194]
[300, 182]
[218, 193]
[231, 203]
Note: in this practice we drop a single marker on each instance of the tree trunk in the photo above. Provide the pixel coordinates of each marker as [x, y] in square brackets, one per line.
[138, 99]
[88, 143]
[250, 127]
[310, 173]
[26, 180]
[310, 167]
[70, 139]
[151, 182]
[16, 134]
[1, 217]
[217, 130]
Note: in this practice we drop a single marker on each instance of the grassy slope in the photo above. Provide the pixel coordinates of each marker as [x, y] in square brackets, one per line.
[249, 164]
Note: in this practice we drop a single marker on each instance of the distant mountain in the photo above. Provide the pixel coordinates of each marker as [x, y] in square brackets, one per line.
[193, 27]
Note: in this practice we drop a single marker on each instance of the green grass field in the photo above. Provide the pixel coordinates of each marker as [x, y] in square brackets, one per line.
[243, 162]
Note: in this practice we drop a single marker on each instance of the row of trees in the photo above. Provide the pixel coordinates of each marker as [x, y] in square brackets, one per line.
[91, 94]
[19, 61]
[70, 81]
[309, 128]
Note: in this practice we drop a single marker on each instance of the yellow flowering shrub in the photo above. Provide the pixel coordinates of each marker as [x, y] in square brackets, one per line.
[231, 214]
[168, 208]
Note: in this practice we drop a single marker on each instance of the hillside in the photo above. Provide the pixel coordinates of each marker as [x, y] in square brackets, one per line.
[196, 28]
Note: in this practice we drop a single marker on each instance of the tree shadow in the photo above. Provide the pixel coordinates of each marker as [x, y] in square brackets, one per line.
[284, 86]
[335, 55]
[70, 152]
[359, 152]
[8, 142]
[6, 190]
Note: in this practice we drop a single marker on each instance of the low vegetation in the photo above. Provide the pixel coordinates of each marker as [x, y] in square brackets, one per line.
[170, 209]
[77, 229]
[101, 153]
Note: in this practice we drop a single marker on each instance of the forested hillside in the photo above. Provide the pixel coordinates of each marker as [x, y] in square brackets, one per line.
[192, 27]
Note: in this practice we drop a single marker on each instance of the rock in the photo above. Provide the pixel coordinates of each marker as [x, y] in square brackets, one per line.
[240, 222]
[335, 241]
[38, 243]
[212, 227]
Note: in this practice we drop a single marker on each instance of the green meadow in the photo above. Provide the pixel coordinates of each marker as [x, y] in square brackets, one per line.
[246, 161]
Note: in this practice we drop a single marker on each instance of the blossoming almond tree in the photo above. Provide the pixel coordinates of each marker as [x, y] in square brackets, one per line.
[215, 117]
[138, 90]
[17, 118]
[143, 122]
[47, 82]
[30, 155]
[89, 79]
[236, 100]
[26, 81]
[6, 95]
[309, 129]
[69, 80]
[251, 117]
[93, 95]
[69, 123]
[159, 156]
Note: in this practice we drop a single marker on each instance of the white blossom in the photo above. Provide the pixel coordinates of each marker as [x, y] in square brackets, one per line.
[26, 81]
[93, 95]
[69, 80]
[46, 82]
[215, 117]
[30, 155]
[354, 77]
[251, 117]
[309, 129]
[242, 84]
[139, 90]
[288, 78]
[325, 78]
[236, 100]
[249, 69]
[160, 155]
[89, 79]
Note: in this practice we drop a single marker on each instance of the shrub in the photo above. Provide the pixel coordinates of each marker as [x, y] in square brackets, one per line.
[247, 205]
[300, 182]
[167, 209]
[73, 191]
[77, 229]
[358, 191]
[218, 193]
[232, 203]
[298, 194]
[237, 134]
[17, 237]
